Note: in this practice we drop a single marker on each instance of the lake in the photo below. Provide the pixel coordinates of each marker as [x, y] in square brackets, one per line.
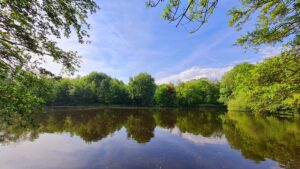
[127, 138]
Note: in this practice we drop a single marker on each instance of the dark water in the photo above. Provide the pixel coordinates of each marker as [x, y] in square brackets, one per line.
[154, 139]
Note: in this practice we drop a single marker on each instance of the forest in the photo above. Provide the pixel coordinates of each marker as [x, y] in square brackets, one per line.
[271, 86]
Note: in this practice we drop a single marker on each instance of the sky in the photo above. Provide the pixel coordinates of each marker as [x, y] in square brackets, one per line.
[127, 38]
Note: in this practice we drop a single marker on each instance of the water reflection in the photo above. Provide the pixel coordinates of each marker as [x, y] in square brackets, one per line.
[259, 137]
[172, 138]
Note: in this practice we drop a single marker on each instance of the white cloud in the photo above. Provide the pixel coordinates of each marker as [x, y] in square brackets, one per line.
[120, 42]
[207, 52]
[270, 51]
[125, 42]
[199, 139]
[195, 73]
[215, 73]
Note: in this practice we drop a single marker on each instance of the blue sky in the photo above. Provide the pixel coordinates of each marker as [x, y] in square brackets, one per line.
[127, 38]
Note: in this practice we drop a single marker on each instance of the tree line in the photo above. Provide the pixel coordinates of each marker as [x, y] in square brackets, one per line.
[271, 86]
[26, 92]
[100, 89]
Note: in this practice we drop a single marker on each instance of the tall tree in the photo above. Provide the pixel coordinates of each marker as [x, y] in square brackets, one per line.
[23, 93]
[233, 80]
[141, 89]
[269, 86]
[165, 95]
[196, 92]
[28, 27]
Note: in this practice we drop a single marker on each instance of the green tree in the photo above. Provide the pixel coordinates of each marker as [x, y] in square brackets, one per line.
[23, 93]
[276, 85]
[119, 94]
[98, 83]
[233, 80]
[81, 93]
[106, 89]
[26, 28]
[165, 95]
[141, 89]
[196, 92]
[62, 92]
[94, 88]
[270, 86]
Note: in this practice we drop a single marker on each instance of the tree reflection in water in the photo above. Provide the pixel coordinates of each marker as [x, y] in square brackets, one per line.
[257, 137]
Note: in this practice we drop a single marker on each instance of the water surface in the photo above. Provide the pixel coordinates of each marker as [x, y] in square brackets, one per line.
[94, 138]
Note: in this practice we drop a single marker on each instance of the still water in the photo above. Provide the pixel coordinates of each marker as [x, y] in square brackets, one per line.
[95, 138]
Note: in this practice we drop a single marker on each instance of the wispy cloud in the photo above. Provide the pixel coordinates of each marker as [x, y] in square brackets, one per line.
[215, 73]
[208, 59]
[121, 42]
[270, 51]
[127, 39]
[195, 73]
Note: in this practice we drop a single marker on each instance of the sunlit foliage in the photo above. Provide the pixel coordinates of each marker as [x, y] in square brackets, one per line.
[270, 86]
[141, 89]
[165, 95]
[28, 30]
[23, 92]
[196, 92]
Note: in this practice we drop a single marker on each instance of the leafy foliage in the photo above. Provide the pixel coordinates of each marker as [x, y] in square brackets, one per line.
[184, 12]
[196, 92]
[23, 93]
[276, 21]
[233, 79]
[95, 88]
[141, 89]
[100, 89]
[26, 27]
[270, 86]
[165, 95]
